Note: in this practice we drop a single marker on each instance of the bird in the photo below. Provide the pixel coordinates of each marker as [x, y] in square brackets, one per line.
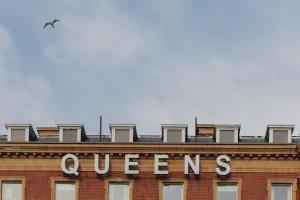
[51, 23]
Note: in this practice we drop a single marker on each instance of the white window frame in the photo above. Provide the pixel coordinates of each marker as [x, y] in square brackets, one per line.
[113, 133]
[171, 181]
[13, 179]
[271, 131]
[129, 127]
[77, 127]
[290, 188]
[292, 182]
[55, 180]
[18, 128]
[118, 181]
[61, 133]
[237, 182]
[174, 127]
[235, 129]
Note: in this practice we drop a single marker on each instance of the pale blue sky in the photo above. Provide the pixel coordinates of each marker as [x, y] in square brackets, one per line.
[150, 62]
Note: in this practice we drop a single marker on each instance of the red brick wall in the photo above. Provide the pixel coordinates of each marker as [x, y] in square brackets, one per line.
[145, 185]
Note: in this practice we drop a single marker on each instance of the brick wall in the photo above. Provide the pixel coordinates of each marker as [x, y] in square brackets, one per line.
[145, 185]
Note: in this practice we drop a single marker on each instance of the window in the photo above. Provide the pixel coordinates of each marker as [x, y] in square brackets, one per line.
[227, 136]
[282, 189]
[174, 133]
[18, 135]
[281, 192]
[173, 191]
[118, 191]
[65, 191]
[70, 135]
[122, 135]
[227, 133]
[227, 191]
[12, 190]
[279, 133]
[174, 136]
[280, 136]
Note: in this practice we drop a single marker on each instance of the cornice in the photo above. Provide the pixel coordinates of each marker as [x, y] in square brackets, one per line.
[207, 151]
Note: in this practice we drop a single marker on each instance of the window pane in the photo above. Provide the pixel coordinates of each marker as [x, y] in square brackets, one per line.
[122, 135]
[280, 136]
[281, 192]
[18, 135]
[227, 136]
[65, 191]
[227, 191]
[172, 191]
[174, 136]
[11, 190]
[118, 191]
[70, 135]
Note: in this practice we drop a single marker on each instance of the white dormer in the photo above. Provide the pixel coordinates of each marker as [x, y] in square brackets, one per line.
[20, 133]
[71, 133]
[174, 133]
[227, 133]
[279, 133]
[123, 133]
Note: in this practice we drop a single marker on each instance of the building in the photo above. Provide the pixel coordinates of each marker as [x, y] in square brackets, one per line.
[216, 163]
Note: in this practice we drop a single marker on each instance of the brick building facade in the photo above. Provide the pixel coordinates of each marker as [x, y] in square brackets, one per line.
[260, 168]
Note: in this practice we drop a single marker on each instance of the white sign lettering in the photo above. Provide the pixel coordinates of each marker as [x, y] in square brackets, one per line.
[106, 164]
[223, 162]
[129, 163]
[158, 163]
[70, 170]
[189, 163]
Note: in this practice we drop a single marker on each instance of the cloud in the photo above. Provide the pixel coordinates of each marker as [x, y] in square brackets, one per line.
[24, 97]
[156, 62]
[104, 38]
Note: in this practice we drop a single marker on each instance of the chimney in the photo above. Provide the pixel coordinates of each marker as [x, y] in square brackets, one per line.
[205, 130]
[47, 131]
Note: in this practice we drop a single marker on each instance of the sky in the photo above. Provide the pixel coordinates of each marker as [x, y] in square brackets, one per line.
[150, 62]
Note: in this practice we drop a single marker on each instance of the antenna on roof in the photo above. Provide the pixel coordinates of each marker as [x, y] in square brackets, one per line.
[196, 122]
[100, 127]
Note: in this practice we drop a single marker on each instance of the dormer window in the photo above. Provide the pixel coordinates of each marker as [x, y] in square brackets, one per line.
[71, 133]
[227, 133]
[123, 133]
[174, 133]
[279, 133]
[20, 133]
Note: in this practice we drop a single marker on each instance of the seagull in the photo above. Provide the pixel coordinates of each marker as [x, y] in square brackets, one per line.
[51, 23]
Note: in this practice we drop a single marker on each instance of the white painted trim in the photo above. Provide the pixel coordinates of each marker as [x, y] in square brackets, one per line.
[27, 134]
[217, 135]
[167, 129]
[131, 135]
[61, 131]
[113, 135]
[236, 136]
[183, 135]
[9, 135]
[79, 135]
[289, 136]
[224, 128]
[271, 135]
[113, 132]
[165, 132]
[9, 129]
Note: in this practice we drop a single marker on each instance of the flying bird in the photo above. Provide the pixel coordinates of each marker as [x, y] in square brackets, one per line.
[51, 23]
